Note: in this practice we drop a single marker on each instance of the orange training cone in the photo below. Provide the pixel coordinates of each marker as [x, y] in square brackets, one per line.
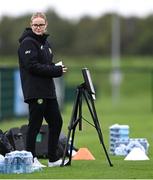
[83, 154]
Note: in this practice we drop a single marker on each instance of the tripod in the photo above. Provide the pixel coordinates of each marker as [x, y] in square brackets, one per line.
[76, 119]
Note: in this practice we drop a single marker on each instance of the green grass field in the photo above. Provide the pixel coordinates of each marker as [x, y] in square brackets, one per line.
[133, 108]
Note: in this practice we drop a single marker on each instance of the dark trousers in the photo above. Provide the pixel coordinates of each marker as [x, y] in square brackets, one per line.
[49, 110]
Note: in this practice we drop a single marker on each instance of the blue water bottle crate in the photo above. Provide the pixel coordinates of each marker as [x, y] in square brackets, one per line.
[18, 162]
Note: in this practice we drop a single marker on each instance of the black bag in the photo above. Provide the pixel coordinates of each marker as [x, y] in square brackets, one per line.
[5, 146]
[42, 141]
[61, 145]
[15, 137]
[23, 130]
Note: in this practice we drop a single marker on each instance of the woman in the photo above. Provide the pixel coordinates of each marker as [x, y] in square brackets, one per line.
[37, 71]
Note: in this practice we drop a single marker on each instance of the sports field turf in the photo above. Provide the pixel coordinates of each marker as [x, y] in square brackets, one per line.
[134, 107]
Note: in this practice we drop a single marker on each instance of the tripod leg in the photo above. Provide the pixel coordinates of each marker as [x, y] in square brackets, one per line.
[97, 125]
[72, 126]
[92, 110]
[65, 150]
[71, 145]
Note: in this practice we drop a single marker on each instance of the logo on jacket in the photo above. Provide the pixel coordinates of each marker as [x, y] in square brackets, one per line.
[41, 47]
[50, 50]
[40, 101]
[28, 52]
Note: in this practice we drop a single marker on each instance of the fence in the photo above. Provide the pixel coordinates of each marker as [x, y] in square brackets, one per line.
[118, 87]
[11, 97]
[111, 85]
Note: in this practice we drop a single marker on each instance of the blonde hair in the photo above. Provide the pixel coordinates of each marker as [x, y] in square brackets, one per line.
[39, 14]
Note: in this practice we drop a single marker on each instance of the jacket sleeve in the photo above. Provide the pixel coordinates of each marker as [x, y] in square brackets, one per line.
[28, 59]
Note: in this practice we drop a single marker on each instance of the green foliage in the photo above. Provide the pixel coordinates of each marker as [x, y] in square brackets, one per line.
[136, 36]
[88, 36]
[61, 33]
[92, 37]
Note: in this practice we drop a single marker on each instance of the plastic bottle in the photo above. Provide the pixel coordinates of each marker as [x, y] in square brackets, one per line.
[8, 163]
[27, 162]
[2, 163]
[19, 162]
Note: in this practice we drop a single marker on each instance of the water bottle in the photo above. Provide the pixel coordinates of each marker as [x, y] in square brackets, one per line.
[15, 166]
[23, 161]
[8, 163]
[27, 162]
[19, 162]
[2, 163]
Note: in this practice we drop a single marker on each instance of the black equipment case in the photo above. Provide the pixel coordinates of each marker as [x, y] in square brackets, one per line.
[15, 138]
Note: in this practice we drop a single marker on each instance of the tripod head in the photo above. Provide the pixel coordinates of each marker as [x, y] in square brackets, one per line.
[88, 85]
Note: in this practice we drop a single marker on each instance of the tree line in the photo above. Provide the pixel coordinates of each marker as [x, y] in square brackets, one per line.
[87, 36]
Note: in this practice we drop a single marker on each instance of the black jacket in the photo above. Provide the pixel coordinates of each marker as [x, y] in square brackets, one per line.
[36, 67]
